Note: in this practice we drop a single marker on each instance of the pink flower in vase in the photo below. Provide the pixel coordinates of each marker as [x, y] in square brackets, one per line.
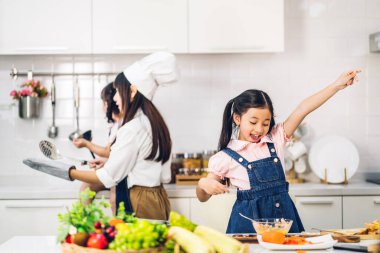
[13, 93]
[25, 92]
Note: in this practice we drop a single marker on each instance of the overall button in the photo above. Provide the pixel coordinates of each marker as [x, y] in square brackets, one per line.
[275, 160]
[272, 150]
[240, 159]
[277, 205]
[249, 166]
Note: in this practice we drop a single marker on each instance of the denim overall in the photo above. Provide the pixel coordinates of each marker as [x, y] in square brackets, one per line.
[268, 196]
[122, 195]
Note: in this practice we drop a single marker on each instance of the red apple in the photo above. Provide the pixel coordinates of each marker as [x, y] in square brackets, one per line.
[98, 241]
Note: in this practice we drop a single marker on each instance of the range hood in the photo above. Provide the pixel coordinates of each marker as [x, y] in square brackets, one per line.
[374, 42]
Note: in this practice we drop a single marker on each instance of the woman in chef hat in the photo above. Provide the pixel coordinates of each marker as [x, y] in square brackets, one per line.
[139, 161]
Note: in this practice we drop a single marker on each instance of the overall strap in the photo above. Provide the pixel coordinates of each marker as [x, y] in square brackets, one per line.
[272, 149]
[238, 158]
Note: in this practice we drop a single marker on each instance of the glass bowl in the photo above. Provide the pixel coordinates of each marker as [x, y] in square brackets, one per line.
[272, 224]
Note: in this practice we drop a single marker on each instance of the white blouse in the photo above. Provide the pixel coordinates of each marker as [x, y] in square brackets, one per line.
[113, 128]
[127, 158]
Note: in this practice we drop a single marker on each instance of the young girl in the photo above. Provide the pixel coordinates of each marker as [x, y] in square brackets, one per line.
[113, 117]
[251, 156]
[112, 114]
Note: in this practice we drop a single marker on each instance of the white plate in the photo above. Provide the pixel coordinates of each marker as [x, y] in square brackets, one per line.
[333, 153]
[319, 242]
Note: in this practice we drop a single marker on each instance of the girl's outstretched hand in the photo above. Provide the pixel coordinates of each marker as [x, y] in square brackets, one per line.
[347, 78]
[212, 186]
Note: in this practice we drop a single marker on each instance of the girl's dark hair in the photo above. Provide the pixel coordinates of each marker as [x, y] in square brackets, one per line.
[240, 105]
[108, 92]
[162, 142]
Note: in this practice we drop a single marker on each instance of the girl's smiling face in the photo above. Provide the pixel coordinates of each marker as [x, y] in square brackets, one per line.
[254, 124]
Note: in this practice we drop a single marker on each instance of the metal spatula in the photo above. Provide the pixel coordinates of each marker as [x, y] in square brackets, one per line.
[50, 151]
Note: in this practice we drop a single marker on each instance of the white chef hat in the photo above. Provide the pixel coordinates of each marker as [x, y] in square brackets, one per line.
[154, 70]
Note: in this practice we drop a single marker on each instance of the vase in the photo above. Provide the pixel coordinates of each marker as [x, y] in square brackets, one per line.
[29, 107]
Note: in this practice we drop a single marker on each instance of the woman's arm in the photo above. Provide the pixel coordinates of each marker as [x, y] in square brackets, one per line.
[313, 102]
[99, 150]
[209, 186]
[85, 176]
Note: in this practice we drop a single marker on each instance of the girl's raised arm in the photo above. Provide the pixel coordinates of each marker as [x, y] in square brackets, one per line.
[313, 102]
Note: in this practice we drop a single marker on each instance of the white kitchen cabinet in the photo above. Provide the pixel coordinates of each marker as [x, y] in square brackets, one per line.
[30, 217]
[223, 26]
[320, 212]
[181, 206]
[214, 213]
[128, 26]
[45, 27]
[360, 210]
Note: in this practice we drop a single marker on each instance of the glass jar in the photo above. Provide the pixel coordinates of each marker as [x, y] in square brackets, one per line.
[206, 157]
[192, 162]
[176, 165]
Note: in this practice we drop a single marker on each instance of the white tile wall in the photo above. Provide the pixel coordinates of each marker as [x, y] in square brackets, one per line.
[322, 39]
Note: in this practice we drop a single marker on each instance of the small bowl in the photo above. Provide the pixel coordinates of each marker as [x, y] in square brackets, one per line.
[272, 224]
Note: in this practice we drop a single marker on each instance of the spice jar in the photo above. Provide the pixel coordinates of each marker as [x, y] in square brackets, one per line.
[191, 162]
[176, 165]
[206, 157]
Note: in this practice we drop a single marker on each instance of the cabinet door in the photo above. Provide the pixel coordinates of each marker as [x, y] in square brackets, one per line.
[128, 26]
[30, 217]
[236, 26]
[181, 206]
[214, 213]
[360, 210]
[320, 212]
[45, 26]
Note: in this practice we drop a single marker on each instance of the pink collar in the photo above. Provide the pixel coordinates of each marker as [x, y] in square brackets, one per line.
[238, 145]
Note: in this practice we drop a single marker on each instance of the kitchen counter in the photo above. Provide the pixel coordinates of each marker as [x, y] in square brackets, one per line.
[47, 244]
[33, 187]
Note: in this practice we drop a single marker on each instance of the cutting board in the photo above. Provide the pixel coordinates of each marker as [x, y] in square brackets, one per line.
[353, 231]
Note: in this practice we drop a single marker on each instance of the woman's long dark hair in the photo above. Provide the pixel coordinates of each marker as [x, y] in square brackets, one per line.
[240, 105]
[162, 142]
[108, 92]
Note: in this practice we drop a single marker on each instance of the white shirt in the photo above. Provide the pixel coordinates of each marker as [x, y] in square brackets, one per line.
[113, 127]
[127, 158]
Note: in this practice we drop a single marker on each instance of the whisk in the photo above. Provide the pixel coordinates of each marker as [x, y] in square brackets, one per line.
[50, 151]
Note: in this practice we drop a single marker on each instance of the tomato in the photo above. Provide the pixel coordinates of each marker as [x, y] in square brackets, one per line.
[69, 239]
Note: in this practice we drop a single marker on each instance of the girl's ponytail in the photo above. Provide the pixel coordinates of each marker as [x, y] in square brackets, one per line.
[226, 133]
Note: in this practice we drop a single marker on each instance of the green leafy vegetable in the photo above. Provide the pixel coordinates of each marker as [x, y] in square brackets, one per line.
[181, 221]
[82, 217]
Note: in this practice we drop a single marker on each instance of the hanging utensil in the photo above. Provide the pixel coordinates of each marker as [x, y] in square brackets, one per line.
[88, 136]
[50, 151]
[53, 130]
[76, 134]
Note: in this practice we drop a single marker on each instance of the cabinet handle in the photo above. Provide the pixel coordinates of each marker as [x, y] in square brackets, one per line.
[138, 49]
[317, 202]
[42, 49]
[376, 201]
[34, 206]
[258, 47]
